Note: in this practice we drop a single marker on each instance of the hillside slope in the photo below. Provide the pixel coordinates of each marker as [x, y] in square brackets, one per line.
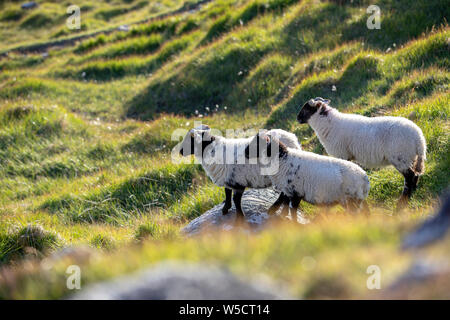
[85, 135]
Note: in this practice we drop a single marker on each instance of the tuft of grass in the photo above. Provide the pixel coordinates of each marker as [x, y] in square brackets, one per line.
[102, 242]
[155, 231]
[28, 240]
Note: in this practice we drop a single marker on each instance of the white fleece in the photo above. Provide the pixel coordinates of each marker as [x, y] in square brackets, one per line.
[372, 142]
[320, 179]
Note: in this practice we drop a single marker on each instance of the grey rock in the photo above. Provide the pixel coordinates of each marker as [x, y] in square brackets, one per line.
[419, 271]
[29, 5]
[181, 281]
[423, 280]
[255, 203]
[432, 230]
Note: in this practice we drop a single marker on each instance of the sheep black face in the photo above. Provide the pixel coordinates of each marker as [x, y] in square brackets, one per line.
[265, 143]
[187, 151]
[272, 145]
[196, 139]
[254, 147]
[311, 107]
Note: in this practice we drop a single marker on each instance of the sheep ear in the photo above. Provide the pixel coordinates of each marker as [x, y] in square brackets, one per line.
[323, 109]
[322, 100]
[269, 146]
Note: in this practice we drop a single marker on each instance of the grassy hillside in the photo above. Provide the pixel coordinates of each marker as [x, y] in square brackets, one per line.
[85, 131]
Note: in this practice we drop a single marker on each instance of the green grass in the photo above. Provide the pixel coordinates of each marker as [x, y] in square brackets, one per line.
[86, 132]
[27, 240]
[157, 188]
[47, 21]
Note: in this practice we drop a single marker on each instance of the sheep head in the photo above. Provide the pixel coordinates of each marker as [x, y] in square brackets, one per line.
[312, 106]
[197, 138]
[264, 144]
[254, 145]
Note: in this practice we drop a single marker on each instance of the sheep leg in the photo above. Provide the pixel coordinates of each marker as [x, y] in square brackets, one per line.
[276, 205]
[410, 186]
[295, 202]
[227, 202]
[237, 198]
[415, 181]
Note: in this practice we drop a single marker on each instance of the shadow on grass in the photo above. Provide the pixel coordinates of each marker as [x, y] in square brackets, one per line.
[195, 86]
[314, 29]
[31, 240]
[227, 22]
[158, 188]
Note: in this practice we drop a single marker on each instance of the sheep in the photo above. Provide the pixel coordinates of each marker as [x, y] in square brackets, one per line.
[371, 142]
[234, 174]
[314, 178]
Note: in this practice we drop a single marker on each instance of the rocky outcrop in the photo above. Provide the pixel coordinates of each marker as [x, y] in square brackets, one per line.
[255, 203]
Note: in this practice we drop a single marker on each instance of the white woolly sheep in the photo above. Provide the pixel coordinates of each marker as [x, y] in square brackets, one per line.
[224, 162]
[316, 179]
[371, 142]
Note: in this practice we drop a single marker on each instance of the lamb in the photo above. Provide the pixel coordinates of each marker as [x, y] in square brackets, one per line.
[314, 178]
[371, 142]
[224, 163]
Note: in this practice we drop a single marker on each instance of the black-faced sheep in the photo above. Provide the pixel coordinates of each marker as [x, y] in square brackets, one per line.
[371, 142]
[224, 162]
[314, 178]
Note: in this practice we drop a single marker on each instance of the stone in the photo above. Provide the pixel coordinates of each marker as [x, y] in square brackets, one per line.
[255, 203]
[29, 5]
[432, 230]
[171, 280]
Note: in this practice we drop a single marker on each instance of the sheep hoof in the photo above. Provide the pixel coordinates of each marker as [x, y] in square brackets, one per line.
[225, 210]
